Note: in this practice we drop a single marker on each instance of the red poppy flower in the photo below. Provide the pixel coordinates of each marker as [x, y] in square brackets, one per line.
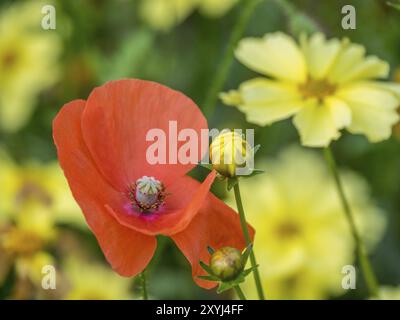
[126, 201]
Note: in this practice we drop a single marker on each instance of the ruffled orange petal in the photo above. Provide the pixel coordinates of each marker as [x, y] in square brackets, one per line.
[117, 118]
[127, 251]
[216, 225]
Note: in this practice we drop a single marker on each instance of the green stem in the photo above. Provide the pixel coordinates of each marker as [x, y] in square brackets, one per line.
[240, 293]
[365, 264]
[162, 242]
[222, 73]
[144, 286]
[247, 238]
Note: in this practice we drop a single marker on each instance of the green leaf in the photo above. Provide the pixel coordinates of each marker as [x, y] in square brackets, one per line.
[256, 148]
[254, 173]
[227, 285]
[246, 253]
[224, 286]
[206, 267]
[246, 272]
[208, 166]
[210, 250]
[231, 183]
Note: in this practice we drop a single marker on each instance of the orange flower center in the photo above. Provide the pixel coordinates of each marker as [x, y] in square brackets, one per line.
[317, 89]
[147, 194]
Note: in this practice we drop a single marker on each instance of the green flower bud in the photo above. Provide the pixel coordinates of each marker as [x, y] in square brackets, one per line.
[226, 263]
[229, 151]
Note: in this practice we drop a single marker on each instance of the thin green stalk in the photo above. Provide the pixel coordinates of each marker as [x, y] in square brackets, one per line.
[240, 293]
[247, 238]
[144, 285]
[162, 242]
[363, 260]
[222, 72]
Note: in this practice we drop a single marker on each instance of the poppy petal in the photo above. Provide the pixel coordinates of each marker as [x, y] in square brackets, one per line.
[183, 202]
[217, 226]
[127, 251]
[119, 115]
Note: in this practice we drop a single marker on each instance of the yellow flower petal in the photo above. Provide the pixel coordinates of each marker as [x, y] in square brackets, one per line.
[320, 54]
[231, 98]
[275, 55]
[15, 110]
[340, 111]
[214, 8]
[86, 281]
[31, 266]
[388, 86]
[31, 62]
[351, 65]
[388, 293]
[373, 110]
[163, 15]
[265, 101]
[316, 125]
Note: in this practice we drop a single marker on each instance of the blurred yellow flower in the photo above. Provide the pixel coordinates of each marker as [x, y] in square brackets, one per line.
[327, 85]
[396, 78]
[28, 62]
[23, 241]
[36, 188]
[302, 240]
[34, 197]
[165, 14]
[31, 267]
[389, 293]
[89, 281]
[397, 75]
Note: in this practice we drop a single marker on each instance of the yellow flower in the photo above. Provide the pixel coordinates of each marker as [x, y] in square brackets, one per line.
[389, 293]
[31, 267]
[396, 78]
[303, 240]
[165, 14]
[28, 56]
[327, 85]
[397, 75]
[33, 198]
[23, 241]
[95, 282]
[212, 8]
[39, 188]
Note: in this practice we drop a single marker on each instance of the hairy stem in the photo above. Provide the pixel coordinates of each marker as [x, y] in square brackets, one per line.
[240, 293]
[247, 238]
[362, 257]
[223, 70]
[144, 285]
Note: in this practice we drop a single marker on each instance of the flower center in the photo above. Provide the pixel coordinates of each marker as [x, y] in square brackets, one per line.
[147, 194]
[9, 60]
[317, 89]
[31, 191]
[287, 230]
[22, 242]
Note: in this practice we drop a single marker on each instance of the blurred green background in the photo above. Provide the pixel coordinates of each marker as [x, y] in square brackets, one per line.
[96, 41]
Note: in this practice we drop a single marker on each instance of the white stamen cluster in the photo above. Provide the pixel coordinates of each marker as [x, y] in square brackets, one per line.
[148, 185]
